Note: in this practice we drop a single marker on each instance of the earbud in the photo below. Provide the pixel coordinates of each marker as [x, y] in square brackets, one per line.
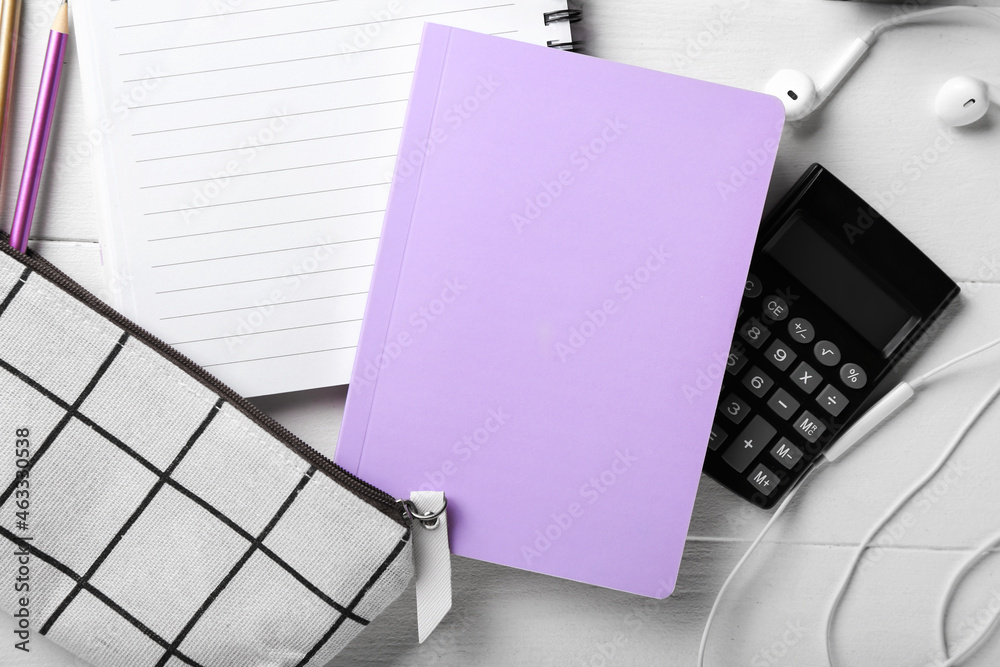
[801, 95]
[962, 100]
[795, 90]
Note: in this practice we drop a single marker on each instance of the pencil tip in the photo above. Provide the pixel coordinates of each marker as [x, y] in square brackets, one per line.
[61, 24]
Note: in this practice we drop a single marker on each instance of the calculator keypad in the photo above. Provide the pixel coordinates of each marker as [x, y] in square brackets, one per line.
[786, 385]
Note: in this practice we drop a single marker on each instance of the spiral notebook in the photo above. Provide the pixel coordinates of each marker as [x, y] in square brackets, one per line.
[244, 150]
[557, 271]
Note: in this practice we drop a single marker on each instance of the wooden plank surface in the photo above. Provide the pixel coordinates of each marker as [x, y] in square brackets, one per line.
[878, 134]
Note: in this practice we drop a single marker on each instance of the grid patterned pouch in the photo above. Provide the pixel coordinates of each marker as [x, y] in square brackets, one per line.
[150, 516]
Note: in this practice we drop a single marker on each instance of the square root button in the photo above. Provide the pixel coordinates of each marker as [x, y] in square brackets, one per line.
[763, 479]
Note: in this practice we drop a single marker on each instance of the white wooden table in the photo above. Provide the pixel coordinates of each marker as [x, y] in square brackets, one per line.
[877, 134]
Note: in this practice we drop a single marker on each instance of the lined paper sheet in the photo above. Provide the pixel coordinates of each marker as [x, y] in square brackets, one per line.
[245, 158]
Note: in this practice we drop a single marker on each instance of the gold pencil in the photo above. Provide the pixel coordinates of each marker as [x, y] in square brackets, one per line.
[10, 19]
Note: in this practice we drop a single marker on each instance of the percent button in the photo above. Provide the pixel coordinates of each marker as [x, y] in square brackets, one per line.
[853, 376]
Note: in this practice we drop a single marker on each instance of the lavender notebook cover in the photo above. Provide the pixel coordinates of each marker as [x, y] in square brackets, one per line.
[554, 297]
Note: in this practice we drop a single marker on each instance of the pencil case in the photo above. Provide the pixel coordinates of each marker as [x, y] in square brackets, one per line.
[151, 516]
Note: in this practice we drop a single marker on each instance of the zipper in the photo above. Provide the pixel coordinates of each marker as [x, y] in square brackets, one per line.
[380, 500]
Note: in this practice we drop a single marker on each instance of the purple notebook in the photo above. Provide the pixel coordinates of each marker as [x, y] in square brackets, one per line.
[554, 297]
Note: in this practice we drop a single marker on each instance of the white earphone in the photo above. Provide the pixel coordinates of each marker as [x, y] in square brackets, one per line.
[962, 99]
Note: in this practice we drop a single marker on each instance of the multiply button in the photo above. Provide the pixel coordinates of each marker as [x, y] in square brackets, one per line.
[806, 377]
[751, 440]
[827, 353]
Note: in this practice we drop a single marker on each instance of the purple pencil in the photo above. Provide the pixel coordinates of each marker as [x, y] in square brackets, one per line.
[38, 141]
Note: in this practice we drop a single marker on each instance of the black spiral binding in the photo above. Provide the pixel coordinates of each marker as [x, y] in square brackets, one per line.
[567, 16]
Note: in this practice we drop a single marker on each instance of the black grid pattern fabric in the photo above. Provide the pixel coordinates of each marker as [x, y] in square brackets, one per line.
[165, 527]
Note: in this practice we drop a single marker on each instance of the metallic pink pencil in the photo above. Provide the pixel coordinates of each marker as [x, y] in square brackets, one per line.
[41, 124]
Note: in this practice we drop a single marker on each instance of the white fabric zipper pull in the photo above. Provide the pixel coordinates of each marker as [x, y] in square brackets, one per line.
[433, 559]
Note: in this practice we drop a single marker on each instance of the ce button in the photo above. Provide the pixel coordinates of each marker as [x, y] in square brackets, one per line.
[775, 308]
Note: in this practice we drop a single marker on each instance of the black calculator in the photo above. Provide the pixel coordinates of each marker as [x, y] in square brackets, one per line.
[835, 296]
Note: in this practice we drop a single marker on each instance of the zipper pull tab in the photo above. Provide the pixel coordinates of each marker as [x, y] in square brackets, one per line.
[432, 557]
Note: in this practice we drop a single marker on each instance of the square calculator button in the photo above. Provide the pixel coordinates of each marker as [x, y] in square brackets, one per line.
[806, 377]
[751, 440]
[781, 355]
[754, 332]
[786, 453]
[809, 426]
[758, 382]
[763, 479]
[783, 404]
[716, 437]
[831, 400]
[734, 408]
[736, 360]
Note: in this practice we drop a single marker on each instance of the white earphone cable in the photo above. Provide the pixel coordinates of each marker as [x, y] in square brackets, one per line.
[866, 543]
[915, 17]
[956, 580]
[746, 556]
[896, 506]
[971, 353]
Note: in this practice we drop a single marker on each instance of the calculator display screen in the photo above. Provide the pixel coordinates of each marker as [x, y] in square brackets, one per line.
[831, 274]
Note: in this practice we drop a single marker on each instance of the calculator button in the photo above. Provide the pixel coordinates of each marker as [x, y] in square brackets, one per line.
[831, 400]
[748, 443]
[758, 382]
[809, 426]
[786, 453]
[716, 437]
[806, 377]
[801, 330]
[827, 353]
[776, 308]
[783, 404]
[752, 289]
[736, 361]
[734, 408]
[853, 376]
[780, 355]
[754, 332]
[763, 479]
